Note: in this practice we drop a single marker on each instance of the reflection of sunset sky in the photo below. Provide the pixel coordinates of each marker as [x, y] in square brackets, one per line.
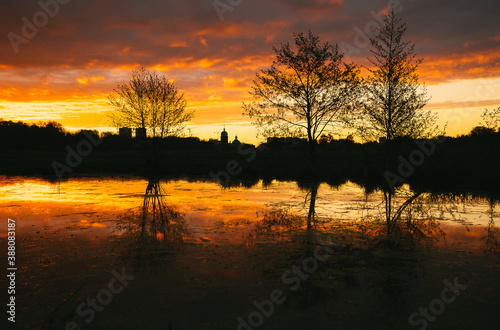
[65, 72]
[91, 206]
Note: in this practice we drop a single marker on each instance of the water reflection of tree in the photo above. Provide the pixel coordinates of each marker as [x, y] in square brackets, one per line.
[378, 260]
[492, 237]
[281, 222]
[294, 237]
[377, 263]
[408, 218]
[152, 228]
[377, 257]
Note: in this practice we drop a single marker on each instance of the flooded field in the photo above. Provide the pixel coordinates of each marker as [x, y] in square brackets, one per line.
[125, 253]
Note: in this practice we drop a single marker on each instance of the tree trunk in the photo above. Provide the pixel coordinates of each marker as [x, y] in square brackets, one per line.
[152, 153]
[388, 208]
[314, 156]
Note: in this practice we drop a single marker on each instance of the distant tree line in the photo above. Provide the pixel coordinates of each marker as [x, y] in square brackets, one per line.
[18, 135]
[40, 136]
[51, 136]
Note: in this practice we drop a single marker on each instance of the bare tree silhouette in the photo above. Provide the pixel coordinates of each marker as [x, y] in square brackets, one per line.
[150, 102]
[392, 100]
[303, 91]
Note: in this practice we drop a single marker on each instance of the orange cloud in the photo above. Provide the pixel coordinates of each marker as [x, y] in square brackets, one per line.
[86, 80]
[448, 67]
[179, 44]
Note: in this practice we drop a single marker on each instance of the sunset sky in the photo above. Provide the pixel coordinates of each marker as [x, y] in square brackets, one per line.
[78, 56]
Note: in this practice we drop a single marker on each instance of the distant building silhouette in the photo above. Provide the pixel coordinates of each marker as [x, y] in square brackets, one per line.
[125, 132]
[140, 133]
[236, 141]
[224, 138]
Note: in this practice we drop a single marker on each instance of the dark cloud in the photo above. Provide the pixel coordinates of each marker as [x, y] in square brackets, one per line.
[188, 38]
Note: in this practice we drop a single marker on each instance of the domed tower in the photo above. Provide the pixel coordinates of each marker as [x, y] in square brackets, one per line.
[224, 138]
[236, 142]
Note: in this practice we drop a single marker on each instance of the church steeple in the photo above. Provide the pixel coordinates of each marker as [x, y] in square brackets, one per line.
[224, 138]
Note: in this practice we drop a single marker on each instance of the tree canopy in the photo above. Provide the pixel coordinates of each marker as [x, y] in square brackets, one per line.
[392, 100]
[152, 102]
[303, 91]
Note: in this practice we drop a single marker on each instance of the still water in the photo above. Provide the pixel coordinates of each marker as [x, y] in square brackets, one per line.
[195, 255]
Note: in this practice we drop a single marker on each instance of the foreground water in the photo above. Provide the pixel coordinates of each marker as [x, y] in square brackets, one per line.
[194, 255]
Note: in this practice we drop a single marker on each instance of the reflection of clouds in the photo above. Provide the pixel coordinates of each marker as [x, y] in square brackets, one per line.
[60, 217]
